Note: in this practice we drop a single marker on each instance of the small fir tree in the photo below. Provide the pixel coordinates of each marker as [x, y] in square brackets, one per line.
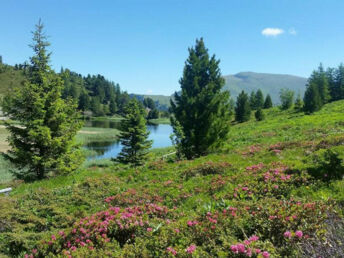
[298, 103]
[287, 98]
[268, 102]
[134, 136]
[44, 141]
[259, 115]
[242, 108]
[201, 110]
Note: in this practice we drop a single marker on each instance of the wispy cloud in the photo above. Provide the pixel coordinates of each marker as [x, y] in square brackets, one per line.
[292, 31]
[272, 32]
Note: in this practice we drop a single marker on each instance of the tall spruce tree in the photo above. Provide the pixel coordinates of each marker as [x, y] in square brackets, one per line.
[252, 100]
[259, 99]
[322, 84]
[312, 100]
[44, 141]
[242, 108]
[134, 136]
[202, 109]
[268, 102]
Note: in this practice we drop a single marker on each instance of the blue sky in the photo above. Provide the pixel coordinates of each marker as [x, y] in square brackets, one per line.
[142, 44]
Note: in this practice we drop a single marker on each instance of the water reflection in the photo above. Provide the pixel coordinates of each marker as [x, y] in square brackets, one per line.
[160, 134]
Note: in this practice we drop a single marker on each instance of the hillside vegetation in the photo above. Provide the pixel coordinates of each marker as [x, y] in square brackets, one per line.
[268, 83]
[275, 190]
[9, 78]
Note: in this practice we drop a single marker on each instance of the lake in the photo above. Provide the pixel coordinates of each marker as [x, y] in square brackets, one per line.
[160, 134]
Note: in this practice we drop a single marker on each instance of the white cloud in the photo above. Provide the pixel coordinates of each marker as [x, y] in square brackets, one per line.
[149, 91]
[272, 32]
[292, 31]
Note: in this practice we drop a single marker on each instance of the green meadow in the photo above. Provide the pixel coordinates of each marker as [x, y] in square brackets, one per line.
[272, 189]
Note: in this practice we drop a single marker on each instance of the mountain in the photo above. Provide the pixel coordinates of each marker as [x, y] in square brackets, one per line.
[268, 83]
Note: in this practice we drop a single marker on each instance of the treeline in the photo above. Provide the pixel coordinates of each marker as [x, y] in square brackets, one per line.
[97, 96]
[94, 94]
[322, 87]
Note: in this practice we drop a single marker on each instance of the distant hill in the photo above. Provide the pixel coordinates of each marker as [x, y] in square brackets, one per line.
[162, 102]
[268, 83]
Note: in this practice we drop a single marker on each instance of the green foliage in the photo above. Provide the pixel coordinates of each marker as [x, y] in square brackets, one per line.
[153, 114]
[149, 103]
[287, 98]
[317, 93]
[242, 108]
[259, 186]
[312, 100]
[267, 102]
[259, 115]
[44, 141]
[259, 102]
[329, 163]
[202, 108]
[298, 105]
[335, 79]
[134, 136]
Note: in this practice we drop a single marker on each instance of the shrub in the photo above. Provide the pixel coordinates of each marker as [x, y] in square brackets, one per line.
[208, 168]
[330, 163]
[259, 115]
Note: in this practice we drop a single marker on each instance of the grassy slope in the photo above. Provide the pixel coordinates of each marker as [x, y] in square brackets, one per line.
[37, 210]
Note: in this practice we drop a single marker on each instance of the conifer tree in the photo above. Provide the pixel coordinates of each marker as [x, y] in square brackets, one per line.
[298, 103]
[287, 98]
[242, 108]
[44, 141]
[312, 100]
[134, 136]
[268, 102]
[259, 115]
[252, 100]
[112, 106]
[201, 110]
[322, 84]
[259, 99]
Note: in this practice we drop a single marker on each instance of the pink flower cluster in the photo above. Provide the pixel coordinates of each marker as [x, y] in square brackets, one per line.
[172, 251]
[298, 234]
[245, 249]
[191, 249]
[255, 168]
[192, 223]
[94, 230]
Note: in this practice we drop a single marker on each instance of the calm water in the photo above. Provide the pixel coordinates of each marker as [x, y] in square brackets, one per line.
[160, 134]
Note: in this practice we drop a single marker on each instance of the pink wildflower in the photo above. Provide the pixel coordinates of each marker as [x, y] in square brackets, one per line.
[299, 234]
[254, 238]
[53, 237]
[171, 250]
[266, 254]
[241, 248]
[191, 249]
[287, 234]
[234, 248]
[149, 229]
